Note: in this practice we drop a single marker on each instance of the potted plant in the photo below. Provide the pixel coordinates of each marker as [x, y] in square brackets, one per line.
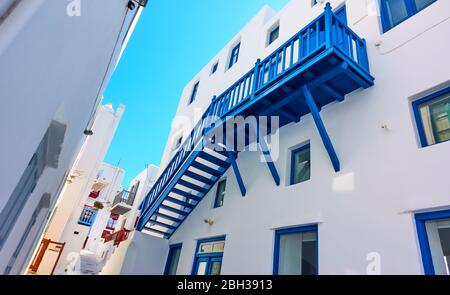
[98, 205]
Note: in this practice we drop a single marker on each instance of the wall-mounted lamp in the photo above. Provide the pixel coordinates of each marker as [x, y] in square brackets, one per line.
[88, 132]
[208, 221]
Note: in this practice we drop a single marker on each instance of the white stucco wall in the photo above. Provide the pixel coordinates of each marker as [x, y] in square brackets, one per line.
[368, 206]
[146, 255]
[52, 67]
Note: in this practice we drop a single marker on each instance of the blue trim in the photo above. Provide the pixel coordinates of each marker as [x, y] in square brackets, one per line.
[214, 68]
[321, 128]
[237, 173]
[291, 230]
[208, 256]
[266, 153]
[425, 250]
[216, 199]
[194, 92]
[341, 14]
[293, 152]
[234, 56]
[272, 38]
[411, 10]
[419, 123]
[172, 248]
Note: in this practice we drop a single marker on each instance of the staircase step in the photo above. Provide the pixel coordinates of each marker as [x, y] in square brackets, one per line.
[198, 177]
[186, 194]
[192, 186]
[174, 210]
[210, 158]
[165, 216]
[179, 202]
[206, 169]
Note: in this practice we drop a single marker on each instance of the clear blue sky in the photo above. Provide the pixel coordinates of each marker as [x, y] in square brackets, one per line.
[172, 41]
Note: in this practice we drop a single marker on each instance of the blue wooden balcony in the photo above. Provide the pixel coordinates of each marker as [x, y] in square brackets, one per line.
[320, 64]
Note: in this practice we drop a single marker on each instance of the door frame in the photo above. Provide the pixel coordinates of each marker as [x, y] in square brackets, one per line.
[424, 245]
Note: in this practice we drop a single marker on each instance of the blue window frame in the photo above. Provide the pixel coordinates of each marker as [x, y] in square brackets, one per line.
[208, 256]
[214, 68]
[274, 34]
[393, 12]
[300, 164]
[194, 92]
[220, 193]
[234, 55]
[172, 259]
[313, 2]
[432, 116]
[296, 251]
[433, 231]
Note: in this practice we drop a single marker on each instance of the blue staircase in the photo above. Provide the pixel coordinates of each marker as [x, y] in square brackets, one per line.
[318, 65]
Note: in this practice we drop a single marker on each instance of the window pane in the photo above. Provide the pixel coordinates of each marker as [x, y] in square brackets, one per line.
[175, 257]
[301, 165]
[438, 232]
[201, 269]
[397, 11]
[297, 254]
[274, 34]
[212, 247]
[218, 247]
[421, 4]
[220, 194]
[234, 55]
[194, 92]
[215, 268]
[435, 117]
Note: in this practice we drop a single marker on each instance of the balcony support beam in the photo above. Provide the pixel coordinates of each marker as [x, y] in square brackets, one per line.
[266, 153]
[321, 127]
[237, 173]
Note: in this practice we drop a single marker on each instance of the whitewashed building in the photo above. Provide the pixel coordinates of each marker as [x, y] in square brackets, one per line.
[56, 58]
[353, 181]
[127, 258]
[75, 222]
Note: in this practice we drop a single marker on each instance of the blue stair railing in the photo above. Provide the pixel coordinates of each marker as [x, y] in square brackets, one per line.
[324, 34]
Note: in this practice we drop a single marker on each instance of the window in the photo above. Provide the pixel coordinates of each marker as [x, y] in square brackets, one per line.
[220, 193]
[300, 164]
[194, 92]
[112, 221]
[178, 142]
[234, 55]
[313, 2]
[208, 256]
[172, 260]
[296, 251]
[394, 12]
[6, 7]
[433, 230]
[214, 68]
[432, 115]
[274, 34]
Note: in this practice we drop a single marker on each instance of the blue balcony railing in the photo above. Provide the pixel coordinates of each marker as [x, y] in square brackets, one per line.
[322, 46]
[87, 216]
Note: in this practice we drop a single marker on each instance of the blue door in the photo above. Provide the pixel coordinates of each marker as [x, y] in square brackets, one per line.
[208, 266]
[208, 257]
